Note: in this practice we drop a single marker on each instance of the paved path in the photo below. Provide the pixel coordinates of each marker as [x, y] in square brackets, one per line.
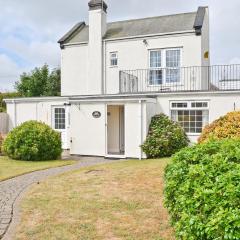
[11, 189]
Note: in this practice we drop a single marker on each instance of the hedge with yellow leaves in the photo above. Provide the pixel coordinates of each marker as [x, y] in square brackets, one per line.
[227, 126]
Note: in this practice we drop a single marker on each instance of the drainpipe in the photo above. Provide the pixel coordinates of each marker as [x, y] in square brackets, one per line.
[141, 133]
[104, 68]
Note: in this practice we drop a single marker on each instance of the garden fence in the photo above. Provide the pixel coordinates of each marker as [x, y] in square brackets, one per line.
[3, 123]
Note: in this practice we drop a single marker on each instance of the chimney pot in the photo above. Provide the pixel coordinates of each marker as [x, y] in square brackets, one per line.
[97, 4]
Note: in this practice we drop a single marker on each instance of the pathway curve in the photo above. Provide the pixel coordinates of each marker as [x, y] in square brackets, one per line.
[11, 189]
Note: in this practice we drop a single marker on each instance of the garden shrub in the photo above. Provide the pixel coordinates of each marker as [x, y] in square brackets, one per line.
[165, 137]
[33, 141]
[202, 191]
[227, 126]
[1, 142]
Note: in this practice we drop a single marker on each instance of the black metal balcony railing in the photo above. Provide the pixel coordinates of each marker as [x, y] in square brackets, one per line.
[204, 78]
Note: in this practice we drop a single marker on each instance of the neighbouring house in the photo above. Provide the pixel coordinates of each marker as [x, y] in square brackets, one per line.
[116, 76]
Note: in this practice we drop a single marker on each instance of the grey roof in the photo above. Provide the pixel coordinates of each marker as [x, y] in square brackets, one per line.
[141, 27]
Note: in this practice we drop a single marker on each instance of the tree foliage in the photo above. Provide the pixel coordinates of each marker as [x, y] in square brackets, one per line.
[40, 82]
[7, 95]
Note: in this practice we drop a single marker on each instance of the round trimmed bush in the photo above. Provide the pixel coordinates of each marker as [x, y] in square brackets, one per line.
[227, 126]
[33, 141]
[165, 138]
[202, 191]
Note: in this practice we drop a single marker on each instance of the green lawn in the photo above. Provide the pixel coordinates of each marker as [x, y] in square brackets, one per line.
[114, 201]
[10, 168]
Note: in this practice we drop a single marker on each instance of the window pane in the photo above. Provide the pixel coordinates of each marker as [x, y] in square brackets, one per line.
[191, 120]
[199, 104]
[173, 66]
[172, 75]
[155, 59]
[113, 59]
[179, 105]
[155, 77]
[173, 58]
[59, 118]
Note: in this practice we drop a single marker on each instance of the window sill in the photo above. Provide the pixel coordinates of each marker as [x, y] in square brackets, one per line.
[193, 134]
[166, 85]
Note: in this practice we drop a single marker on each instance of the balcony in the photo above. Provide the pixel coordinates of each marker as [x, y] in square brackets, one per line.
[183, 79]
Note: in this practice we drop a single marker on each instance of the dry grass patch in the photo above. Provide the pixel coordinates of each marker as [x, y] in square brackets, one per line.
[10, 168]
[113, 201]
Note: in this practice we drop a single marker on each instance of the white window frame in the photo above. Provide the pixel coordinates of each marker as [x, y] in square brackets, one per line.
[113, 58]
[188, 107]
[163, 66]
[53, 118]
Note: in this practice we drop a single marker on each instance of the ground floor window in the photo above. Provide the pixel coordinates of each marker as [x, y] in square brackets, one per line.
[59, 118]
[193, 116]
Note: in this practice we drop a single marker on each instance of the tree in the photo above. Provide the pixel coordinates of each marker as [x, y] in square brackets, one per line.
[40, 82]
[7, 95]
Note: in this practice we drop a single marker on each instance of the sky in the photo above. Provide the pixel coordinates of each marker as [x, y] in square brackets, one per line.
[30, 29]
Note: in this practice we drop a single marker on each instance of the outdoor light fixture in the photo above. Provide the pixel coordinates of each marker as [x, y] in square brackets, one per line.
[67, 104]
[145, 42]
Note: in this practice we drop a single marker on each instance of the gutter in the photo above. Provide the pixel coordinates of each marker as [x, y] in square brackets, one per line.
[111, 100]
[35, 99]
[135, 37]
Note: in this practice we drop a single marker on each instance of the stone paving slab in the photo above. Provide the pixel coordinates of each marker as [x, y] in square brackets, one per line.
[11, 189]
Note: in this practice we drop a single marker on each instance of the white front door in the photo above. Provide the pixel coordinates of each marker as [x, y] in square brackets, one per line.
[60, 122]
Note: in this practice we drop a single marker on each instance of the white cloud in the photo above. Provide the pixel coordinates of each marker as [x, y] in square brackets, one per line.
[8, 74]
[35, 52]
[30, 28]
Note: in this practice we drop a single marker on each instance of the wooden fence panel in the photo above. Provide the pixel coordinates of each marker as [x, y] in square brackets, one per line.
[3, 123]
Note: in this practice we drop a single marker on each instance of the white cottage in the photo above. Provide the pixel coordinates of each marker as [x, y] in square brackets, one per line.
[116, 76]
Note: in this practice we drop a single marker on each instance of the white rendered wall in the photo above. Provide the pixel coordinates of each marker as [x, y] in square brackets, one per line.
[87, 133]
[25, 111]
[219, 105]
[205, 48]
[82, 64]
[205, 39]
[74, 67]
[132, 130]
[134, 54]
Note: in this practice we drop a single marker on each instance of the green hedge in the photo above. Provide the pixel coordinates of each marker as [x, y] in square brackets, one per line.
[1, 141]
[165, 138]
[33, 141]
[202, 191]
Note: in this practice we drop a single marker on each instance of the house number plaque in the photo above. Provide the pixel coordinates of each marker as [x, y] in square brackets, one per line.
[96, 114]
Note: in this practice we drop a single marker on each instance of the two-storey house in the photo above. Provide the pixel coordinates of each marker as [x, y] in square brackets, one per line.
[117, 75]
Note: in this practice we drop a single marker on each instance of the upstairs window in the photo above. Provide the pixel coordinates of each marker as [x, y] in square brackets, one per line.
[114, 59]
[156, 75]
[164, 66]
